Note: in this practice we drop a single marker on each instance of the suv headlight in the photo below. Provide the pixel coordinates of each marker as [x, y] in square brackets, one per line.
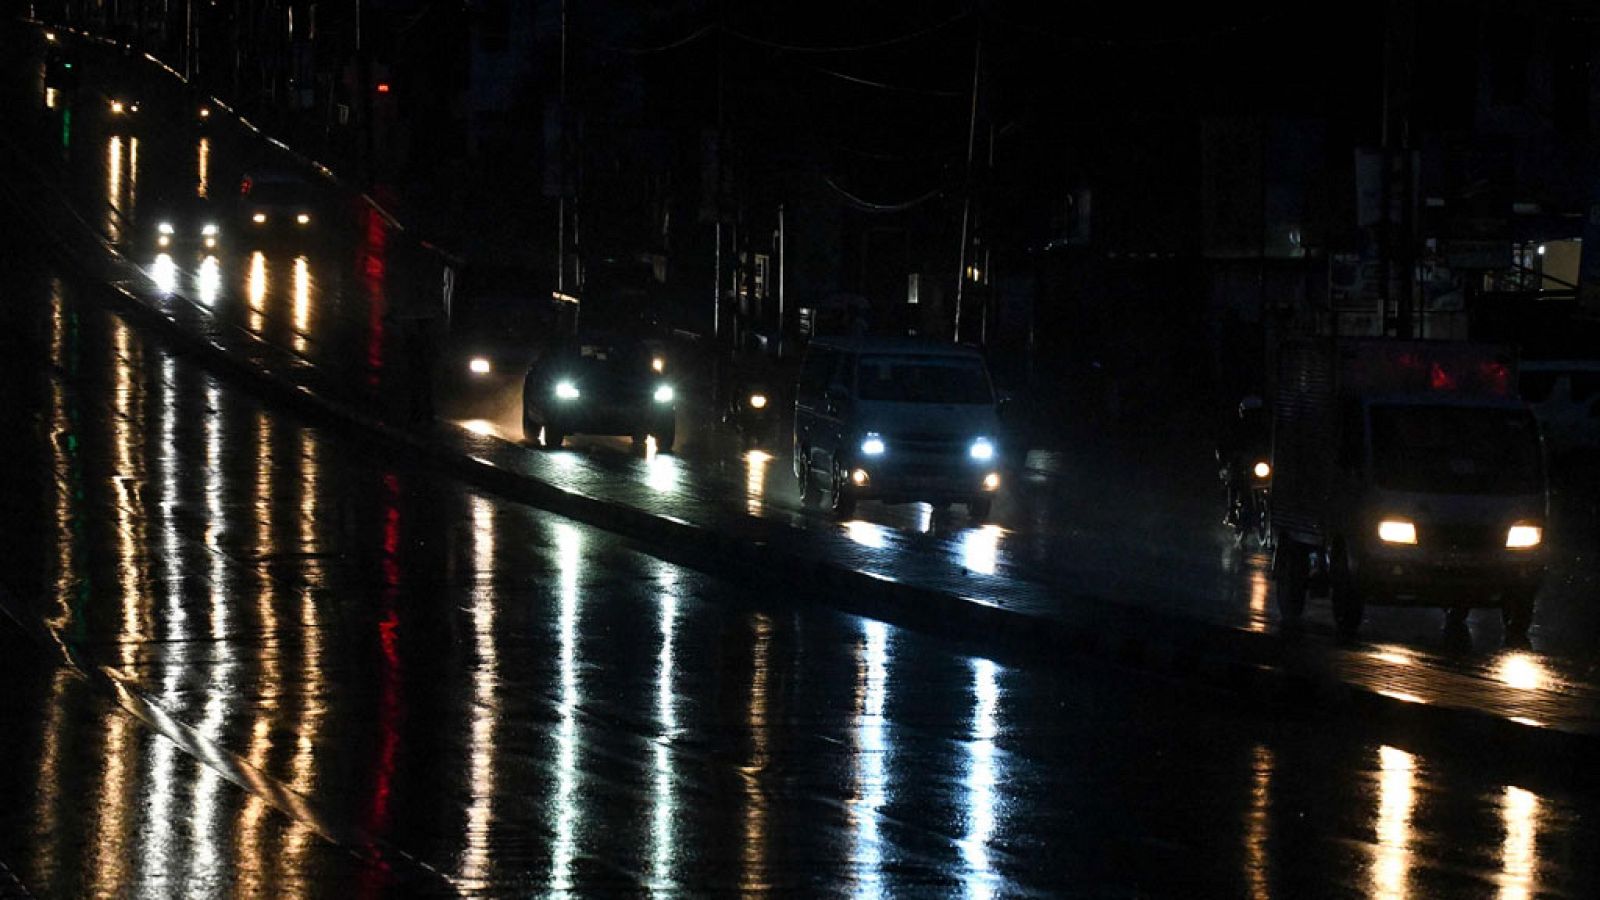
[982, 449]
[1521, 537]
[872, 445]
[664, 393]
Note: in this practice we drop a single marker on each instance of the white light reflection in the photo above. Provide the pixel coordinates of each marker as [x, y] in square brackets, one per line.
[174, 661]
[663, 835]
[924, 518]
[569, 561]
[264, 708]
[208, 281]
[203, 176]
[114, 151]
[1397, 799]
[866, 534]
[871, 752]
[755, 480]
[257, 291]
[164, 273]
[980, 549]
[308, 731]
[983, 777]
[52, 98]
[302, 303]
[485, 702]
[206, 814]
[1524, 672]
[1519, 809]
[661, 472]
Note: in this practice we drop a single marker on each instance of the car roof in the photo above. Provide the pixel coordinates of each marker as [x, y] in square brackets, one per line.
[897, 346]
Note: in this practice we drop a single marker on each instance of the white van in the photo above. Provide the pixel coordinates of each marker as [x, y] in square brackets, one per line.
[1565, 395]
[897, 420]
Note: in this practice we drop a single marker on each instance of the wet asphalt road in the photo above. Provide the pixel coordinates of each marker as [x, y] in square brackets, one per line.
[253, 657]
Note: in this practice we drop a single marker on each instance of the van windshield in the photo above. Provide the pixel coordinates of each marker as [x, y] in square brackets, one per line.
[922, 379]
[1455, 450]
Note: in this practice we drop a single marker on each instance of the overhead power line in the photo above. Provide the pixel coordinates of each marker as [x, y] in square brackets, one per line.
[658, 48]
[849, 48]
[873, 206]
[885, 86]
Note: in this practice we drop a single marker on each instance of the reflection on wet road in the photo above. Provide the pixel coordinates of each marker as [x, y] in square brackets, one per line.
[307, 669]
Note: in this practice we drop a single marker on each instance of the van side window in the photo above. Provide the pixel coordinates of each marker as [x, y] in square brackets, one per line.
[815, 374]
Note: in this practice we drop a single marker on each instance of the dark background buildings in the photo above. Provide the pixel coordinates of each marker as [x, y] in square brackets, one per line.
[1108, 199]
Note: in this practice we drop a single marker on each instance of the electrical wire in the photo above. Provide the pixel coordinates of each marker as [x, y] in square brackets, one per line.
[659, 48]
[1124, 43]
[905, 89]
[851, 48]
[872, 206]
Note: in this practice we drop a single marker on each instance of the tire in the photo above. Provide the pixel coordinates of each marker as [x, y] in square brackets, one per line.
[1516, 611]
[844, 499]
[1291, 566]
[806, 480]
[978, 508]
[549, 437]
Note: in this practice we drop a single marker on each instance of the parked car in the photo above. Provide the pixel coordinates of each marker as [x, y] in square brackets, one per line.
[897, 420]
[598, 383]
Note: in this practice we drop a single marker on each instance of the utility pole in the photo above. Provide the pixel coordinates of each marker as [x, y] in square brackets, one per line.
[561, 186]
[783, 258]
[966, 207]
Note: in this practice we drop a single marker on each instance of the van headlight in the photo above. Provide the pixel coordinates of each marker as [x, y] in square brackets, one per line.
[1397, 531]
[566, 390]
[1521, 537]
[982, 449]
[872, 446]
[664, 393]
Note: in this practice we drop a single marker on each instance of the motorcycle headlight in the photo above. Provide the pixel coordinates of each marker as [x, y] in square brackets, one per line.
[664, 393]
[758, 401]
[872, 446]
[1397, 531]
[1262, 469]
[566, 390]
[1521, 537]
[982, 449]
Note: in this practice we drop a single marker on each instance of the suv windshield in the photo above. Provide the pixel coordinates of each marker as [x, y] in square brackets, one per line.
[922, 379]
[1455, 450]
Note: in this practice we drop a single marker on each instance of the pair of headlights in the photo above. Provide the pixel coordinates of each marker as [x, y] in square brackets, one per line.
[1403, 531]
[981, 449]
[566, 390]
[260, 218]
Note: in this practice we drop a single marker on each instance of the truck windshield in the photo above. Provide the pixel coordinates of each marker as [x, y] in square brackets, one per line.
[922, 379]
[1455, 450]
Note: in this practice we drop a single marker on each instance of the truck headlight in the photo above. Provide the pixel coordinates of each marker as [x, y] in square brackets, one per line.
[1524, 536]
[566, 390]
[872, 446]
[664, 393]
[982, 449]
[1262, 469]
[758, 401]
[1397, 531]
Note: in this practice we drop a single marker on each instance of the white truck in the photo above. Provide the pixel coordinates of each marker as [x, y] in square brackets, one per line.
[1406, 473]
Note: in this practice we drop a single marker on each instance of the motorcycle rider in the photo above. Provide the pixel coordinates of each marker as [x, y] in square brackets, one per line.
[1245, 441]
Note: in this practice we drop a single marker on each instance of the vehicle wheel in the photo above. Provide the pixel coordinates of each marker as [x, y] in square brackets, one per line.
[807, 480]
[550, 438]
[1516, 611]
[978, 508]
[1291, 566]
[844, 499]
[665, 438]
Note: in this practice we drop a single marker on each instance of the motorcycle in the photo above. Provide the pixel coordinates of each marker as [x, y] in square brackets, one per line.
[1252, 504]
[751, 410]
